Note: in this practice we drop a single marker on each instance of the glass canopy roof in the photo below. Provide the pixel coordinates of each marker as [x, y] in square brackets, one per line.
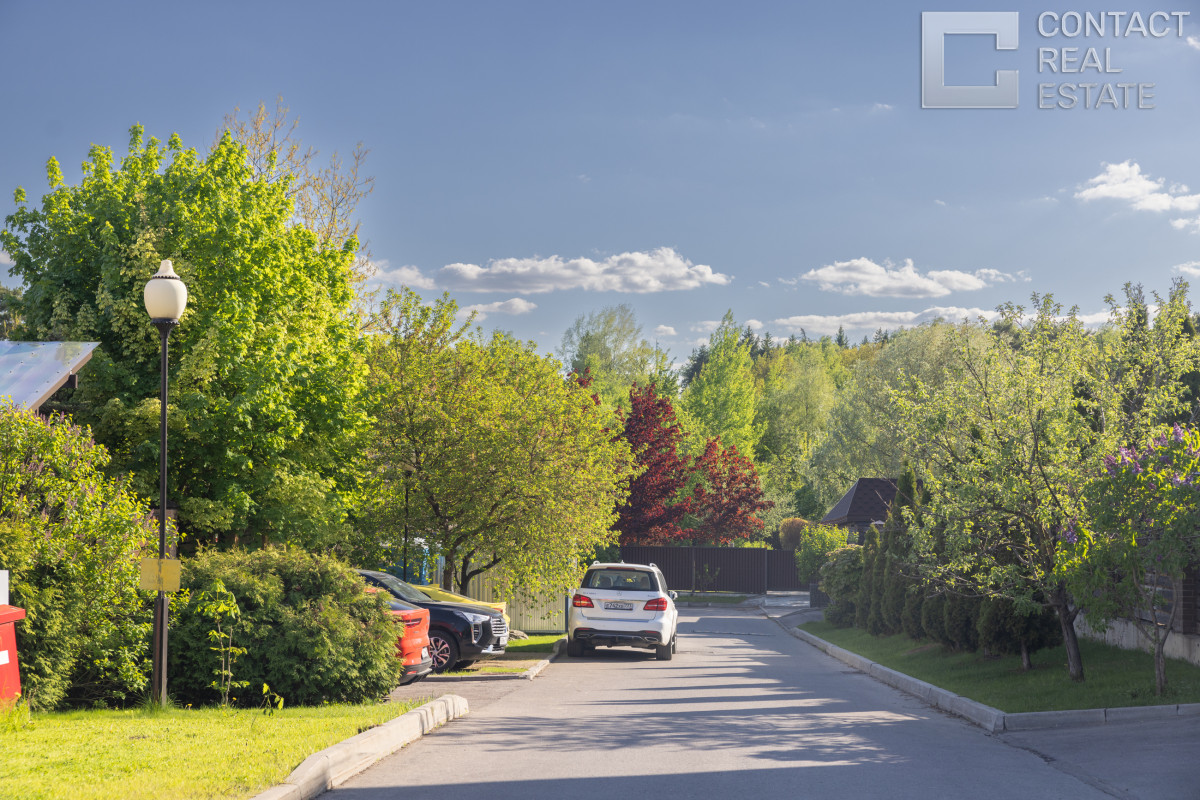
[32, 371]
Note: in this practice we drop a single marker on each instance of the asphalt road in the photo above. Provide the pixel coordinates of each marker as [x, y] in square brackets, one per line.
[745, 710]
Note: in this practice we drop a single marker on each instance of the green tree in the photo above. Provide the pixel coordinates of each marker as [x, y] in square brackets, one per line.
[501, 462]
[722, 400]
[266, 371]
[608, 346]
[1003, 451]
[1147, 513]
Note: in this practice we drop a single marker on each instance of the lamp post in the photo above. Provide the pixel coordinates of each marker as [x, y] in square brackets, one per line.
[165, 297]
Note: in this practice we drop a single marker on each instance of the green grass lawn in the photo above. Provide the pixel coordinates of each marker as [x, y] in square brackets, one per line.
[702, 597]
[179, 753]
[537, 643]
[1114, 678]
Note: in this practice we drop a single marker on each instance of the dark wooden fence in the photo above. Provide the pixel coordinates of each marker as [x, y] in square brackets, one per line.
[748, 570]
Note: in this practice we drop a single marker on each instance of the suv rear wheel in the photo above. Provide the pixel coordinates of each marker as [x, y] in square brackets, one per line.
[663, 651]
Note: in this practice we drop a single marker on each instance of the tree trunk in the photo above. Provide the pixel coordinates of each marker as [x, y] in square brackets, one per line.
[1066, 619]
[448, 576]
[1160, 665]
[1026, 660]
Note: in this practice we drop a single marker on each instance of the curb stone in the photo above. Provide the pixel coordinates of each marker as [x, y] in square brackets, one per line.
[338, 763]
[992, 720]
[527, 675]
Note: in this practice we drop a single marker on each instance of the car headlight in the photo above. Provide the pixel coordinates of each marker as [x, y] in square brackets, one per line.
[476, 622]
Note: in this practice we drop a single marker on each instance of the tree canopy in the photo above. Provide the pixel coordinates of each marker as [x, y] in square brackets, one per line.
[266, 368]
[486, 450]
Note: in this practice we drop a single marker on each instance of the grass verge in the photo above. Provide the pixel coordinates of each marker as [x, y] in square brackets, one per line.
[539, 643]
[1115, 678]
[723, 599]
[149, 754]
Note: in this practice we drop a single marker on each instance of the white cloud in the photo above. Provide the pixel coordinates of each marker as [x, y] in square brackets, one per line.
[754, 324]
[412, 277]
[866, 321]
[1191, 268]
[879, 108]
[861, 276]
[6, 260]
[664, 330]
[1193, 42]
[706, 326]
[1127, 182]
[661, 270]
[941, 203]
[514, 306]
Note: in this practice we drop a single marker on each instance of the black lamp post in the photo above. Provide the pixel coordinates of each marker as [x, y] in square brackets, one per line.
[165, 297]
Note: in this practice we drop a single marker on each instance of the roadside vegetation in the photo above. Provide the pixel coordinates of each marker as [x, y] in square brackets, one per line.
[1116, 678]
[176, 754]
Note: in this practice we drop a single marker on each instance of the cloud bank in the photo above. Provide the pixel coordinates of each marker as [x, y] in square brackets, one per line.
[661, 270]
[866, 321]
[1127, 183]
[515, 306]
[863, 277]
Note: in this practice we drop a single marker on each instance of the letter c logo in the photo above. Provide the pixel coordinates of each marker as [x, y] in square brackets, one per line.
[935, 26]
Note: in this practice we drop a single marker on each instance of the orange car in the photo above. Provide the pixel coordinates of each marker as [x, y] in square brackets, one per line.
[413, 645]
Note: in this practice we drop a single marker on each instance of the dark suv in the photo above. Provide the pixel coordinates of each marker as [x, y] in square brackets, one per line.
[459, 633]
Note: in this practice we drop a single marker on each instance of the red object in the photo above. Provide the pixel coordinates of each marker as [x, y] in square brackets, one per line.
[413, 646]
[657, 604]
[582, 601]
[10, 676]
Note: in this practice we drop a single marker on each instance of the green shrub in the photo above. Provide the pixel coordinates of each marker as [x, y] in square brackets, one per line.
[71, 539]
[840, 579]
[1004, 630]
[910, 618]
[961, 615]
[933, 619]
[814, 543]
[309, 629]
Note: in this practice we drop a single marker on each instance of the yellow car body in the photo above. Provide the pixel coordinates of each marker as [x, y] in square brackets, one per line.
[438, 593]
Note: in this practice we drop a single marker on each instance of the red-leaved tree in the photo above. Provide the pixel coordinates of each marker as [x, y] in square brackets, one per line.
[655, 505]
[727, 496]
[724, 498]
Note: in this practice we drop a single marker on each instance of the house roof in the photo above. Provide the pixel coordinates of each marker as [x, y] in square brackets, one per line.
[868, 500]
[32, 371]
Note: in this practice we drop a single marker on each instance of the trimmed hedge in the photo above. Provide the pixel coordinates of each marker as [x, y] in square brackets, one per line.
[309, 628]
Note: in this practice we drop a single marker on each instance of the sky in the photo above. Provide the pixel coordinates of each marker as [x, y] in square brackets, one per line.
[540, 161]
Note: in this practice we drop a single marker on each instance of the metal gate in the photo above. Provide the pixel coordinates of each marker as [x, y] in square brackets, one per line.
[747, 570]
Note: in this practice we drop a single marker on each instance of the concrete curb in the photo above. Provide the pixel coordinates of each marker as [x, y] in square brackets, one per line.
[336, 764]
[992, 720]
[527, 675]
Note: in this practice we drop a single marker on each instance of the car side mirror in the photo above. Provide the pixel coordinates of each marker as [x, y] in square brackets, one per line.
[673, 594]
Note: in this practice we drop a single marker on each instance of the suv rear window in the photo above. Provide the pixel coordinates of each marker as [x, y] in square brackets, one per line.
[621, 580]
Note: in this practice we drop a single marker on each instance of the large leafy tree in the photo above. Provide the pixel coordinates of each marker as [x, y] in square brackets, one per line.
[265, 366]
[722, 400]
[655, 507]
[727, 499]
[1003, 452]
[607, 345]
[487, 451]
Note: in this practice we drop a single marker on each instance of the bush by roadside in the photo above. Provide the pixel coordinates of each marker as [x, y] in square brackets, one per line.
[309, 630]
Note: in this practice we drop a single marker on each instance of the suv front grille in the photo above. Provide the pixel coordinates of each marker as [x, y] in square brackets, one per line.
[498, 626]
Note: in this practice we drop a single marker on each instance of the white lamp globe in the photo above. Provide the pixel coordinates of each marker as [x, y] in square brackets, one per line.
[165, 294]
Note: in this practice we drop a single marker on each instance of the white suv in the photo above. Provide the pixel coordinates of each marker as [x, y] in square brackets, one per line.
[622, 605]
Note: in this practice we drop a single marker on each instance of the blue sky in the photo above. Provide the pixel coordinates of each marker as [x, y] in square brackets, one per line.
[544, 160]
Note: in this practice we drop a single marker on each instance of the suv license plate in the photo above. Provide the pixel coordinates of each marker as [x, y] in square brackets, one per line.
[618, 606]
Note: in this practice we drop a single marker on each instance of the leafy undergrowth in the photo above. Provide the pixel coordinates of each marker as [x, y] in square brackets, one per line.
[1115, 678]
[148, 754]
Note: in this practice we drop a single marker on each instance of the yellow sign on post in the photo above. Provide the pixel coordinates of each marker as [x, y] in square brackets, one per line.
[160, 575]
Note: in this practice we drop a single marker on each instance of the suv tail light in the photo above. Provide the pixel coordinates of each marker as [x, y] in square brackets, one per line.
[582, 601]
[657, 604]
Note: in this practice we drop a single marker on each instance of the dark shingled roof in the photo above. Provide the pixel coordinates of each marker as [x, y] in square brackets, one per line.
[868, 500]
